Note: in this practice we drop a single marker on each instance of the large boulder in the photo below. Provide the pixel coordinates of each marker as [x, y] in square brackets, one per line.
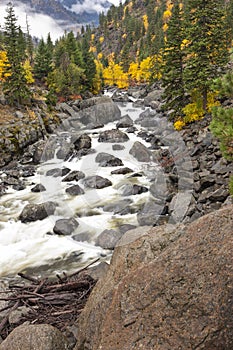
[74, 175]
[34, 212]
[103, 111]
[106, 160]
[133, 189]
[150, 213]
[125, 122]
[153, 96]
[168, 287]
[65, 226]
[57, 172]
[140, 152]
[113, 136]
[108, 239]
[82, 142]
[118, 207]
[75, 190]
[35, 337]
[96, 181]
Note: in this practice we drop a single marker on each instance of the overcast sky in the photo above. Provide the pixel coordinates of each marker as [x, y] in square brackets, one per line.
[40, 25]
[116, 2]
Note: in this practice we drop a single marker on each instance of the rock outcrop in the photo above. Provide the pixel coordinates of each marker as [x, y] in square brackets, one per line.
[168, 287]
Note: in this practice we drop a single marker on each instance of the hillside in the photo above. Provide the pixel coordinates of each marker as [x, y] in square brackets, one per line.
[137, 29]
[133, 30]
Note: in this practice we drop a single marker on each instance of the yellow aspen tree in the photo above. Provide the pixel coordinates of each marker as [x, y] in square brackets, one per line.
[3, 63]
[28, 72]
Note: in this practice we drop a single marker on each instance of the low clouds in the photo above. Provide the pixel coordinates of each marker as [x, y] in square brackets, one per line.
[90, 6]
[39, 25]
[94, 5]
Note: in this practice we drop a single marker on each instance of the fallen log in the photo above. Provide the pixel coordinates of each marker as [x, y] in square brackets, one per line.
[56, 301]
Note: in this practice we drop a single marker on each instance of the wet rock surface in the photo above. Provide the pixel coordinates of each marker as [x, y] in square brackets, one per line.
[96, 181]
[75, 190]
[105, 160]
[185, 296]
[113, 136]
[34, 212]
[65, 226]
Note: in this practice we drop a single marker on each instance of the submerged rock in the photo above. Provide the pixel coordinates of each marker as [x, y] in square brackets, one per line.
[117, 147]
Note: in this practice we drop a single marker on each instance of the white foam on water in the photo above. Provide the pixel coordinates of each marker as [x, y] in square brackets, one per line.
[28, 245]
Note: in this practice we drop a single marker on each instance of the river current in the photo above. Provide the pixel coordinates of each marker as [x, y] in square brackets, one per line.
[33, 246]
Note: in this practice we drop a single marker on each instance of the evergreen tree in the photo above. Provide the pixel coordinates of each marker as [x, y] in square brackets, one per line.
[15, 86]
[207, 52]
[229, 11]
[173, 64]
[88, 64]
[43, 60]
[222, 120]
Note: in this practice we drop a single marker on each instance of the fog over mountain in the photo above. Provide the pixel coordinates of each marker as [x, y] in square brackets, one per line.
[55, 16]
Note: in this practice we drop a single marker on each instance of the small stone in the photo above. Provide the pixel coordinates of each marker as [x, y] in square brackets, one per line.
[75, 190]
[38, 188]
[65, 227]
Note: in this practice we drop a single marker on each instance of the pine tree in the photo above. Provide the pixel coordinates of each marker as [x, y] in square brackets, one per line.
[15, 86]
[222, 120]
[207, 52]
[88, 64]
[43, 60]
[172, 79]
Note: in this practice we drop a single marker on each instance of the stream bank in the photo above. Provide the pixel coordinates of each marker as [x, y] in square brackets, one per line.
[160, 176]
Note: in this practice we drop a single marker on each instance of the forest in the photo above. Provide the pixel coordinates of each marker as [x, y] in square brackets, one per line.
[186, 46]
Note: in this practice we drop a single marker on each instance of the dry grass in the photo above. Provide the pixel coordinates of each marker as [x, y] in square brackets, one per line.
[7, 114]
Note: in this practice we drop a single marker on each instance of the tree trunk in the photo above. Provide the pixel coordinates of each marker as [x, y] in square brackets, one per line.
[204, 100]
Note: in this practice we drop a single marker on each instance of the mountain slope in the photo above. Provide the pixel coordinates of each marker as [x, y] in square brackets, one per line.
[72, 11]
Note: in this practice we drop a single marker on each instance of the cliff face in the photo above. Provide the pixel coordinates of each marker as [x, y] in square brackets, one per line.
[169, 289]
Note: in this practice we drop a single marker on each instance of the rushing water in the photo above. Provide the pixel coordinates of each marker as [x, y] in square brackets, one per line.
[32, 245]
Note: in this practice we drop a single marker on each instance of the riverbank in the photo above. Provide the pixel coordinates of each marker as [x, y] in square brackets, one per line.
[183, 174]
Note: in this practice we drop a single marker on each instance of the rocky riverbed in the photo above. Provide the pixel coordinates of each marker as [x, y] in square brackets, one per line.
[131, 168]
